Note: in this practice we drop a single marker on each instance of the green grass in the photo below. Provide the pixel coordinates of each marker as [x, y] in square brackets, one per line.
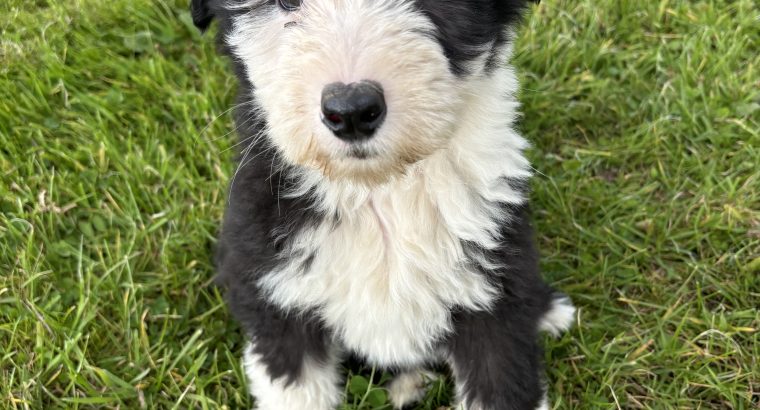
[645, 117]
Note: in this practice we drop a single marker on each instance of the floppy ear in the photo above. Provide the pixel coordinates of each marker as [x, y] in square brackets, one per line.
[202, 14]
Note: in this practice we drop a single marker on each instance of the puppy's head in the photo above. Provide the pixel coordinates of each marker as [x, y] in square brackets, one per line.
[361, 89]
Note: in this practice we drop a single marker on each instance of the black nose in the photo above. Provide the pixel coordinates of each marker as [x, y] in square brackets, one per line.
[355, 111]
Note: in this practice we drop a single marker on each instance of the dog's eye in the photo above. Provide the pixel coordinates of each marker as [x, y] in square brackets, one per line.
[289, 5]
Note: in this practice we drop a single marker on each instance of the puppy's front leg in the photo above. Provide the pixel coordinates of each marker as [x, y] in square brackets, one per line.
[313, 386]
[496, 361]
[291, 361]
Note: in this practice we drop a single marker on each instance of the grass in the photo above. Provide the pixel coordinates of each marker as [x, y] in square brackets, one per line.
[645, 117]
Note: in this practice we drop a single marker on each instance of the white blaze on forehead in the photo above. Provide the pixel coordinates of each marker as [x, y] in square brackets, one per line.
[386, 41]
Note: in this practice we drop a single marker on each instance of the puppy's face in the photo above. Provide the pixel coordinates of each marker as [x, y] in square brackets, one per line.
[361, 89]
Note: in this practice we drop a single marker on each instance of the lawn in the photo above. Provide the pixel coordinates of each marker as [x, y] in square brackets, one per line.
[116, 147]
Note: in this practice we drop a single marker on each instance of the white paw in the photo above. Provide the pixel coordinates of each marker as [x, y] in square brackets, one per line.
[408, 388]
[544, 404]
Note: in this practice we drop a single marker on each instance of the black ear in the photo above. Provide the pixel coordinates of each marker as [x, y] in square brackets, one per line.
[202, 14]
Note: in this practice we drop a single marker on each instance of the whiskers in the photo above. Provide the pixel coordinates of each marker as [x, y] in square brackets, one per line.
[254, 141]
[253, 114]
[255, 109]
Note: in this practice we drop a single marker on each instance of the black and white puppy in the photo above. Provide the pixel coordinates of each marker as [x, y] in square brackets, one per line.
[380, 207]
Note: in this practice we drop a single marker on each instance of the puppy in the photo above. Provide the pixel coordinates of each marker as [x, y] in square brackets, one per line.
[379, 208]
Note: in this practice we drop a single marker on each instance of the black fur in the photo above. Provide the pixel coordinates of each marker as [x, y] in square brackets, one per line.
[201, 13]
[465, 27]
[496, 354]
[257, 222]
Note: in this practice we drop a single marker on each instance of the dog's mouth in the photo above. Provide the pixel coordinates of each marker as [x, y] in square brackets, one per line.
[360, 153]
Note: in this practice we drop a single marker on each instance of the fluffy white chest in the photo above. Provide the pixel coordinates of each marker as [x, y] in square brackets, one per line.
[386, 276]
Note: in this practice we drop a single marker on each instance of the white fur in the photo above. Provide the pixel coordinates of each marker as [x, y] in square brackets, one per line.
[316, 389]
[544, 404]
[408, 388]
[349, 41]
[559, 318]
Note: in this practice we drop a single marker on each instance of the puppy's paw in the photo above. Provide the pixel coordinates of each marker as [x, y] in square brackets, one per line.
[409, 388]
